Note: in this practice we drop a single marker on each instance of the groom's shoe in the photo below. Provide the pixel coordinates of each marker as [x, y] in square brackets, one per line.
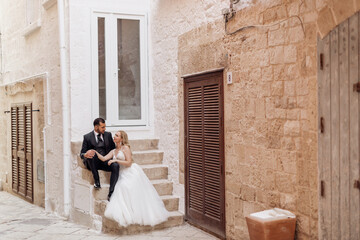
[97, 185]
[109, 196]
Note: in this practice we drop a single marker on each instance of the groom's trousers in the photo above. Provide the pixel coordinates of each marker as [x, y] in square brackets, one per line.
[96, 164]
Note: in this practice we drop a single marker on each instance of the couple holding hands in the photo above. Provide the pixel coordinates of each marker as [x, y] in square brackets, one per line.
[129, 186]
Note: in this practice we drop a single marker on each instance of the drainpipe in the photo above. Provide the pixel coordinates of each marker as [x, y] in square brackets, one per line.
[46, 123]
[65, 108]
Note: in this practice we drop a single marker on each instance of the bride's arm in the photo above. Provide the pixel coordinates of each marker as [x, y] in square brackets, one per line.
[107, 157]
[128, 160]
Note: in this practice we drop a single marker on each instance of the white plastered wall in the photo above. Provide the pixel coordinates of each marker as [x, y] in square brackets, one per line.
[33, 55]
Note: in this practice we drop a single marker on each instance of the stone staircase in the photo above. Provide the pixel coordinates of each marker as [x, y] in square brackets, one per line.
[146, 154]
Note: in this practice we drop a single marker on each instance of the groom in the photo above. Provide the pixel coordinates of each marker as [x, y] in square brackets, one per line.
[103, 143]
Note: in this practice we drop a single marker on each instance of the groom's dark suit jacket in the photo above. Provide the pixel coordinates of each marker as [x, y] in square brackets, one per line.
[89, 142]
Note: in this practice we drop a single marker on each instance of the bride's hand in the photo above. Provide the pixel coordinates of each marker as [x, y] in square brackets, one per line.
[110, 162]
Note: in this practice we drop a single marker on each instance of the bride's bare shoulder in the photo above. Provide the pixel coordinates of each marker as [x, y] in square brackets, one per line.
[126, 148]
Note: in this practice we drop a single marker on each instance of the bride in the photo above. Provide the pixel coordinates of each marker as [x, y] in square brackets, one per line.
[134, 200]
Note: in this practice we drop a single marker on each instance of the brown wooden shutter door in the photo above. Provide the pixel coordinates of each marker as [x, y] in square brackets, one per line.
[21, 148]
[205, 204]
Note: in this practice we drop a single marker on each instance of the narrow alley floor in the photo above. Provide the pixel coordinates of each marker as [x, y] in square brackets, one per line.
[22, 220]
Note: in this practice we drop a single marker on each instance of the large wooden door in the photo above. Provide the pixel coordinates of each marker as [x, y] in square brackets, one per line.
[338, 155]
[204, 152]
[21, 150]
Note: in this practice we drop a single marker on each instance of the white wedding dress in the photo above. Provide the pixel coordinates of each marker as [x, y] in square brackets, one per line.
[135, 200]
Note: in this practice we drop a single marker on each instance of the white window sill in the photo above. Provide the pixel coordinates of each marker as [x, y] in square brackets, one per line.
[48, 3]
[32, 28]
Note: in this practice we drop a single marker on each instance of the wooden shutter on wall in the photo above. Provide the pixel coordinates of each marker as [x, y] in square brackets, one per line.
[205, 204]
[21, 149]
[14, 144]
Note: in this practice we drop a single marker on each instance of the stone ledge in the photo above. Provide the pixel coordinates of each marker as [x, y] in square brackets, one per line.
[32, 28]
[110, 226]
[48, 3]
[153, 172]
[163, 187]
[148, 157]
[171, 204]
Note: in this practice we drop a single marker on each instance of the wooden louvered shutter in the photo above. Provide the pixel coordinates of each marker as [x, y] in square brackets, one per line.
[14, 147]
[21, 148]
[205, 205]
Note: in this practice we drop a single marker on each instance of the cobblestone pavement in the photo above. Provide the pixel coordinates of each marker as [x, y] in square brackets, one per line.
[22, 220]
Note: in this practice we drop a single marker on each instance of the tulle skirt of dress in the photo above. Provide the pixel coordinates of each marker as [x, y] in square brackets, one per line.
[135, 200]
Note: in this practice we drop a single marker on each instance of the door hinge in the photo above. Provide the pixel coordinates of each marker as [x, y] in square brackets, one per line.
[357, 184]
[322, 188]
[356, 87]
[321, 61]
[322, 125]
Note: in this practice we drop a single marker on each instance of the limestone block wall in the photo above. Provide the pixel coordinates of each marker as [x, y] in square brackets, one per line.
[30, 54]
[271, 107]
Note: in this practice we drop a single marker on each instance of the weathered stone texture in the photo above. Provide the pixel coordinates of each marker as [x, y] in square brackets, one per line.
[270, 111]
[325, 21]
[342, 9]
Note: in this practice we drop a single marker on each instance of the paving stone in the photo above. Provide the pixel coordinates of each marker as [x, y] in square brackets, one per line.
[22, 220]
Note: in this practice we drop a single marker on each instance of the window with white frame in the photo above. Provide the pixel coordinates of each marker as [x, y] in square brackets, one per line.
[119, 68]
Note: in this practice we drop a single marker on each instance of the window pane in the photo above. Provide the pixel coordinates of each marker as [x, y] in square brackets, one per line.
[128, 44]
[101, 65]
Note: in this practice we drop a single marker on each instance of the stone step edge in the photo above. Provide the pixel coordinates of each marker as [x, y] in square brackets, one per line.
[163, 198]
[143, 166]
[176, 218]
[164, 187]
[154, 181]
[147, 151]
[149, 166]
[164, 170]
[166, 197]
[138, 153]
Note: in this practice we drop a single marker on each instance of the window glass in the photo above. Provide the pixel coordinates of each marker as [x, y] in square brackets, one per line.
[129, 84]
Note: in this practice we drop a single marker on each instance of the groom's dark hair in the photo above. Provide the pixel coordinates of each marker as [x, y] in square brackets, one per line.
[97, 121]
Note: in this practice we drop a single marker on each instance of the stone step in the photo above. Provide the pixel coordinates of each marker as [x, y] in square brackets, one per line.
[109, 226]
[171, 204]
[148, 157]
[162, 186]
[143, 144]
[139, 157]
[153, 172]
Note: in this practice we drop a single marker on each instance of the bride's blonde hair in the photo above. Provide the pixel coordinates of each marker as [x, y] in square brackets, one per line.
[125, 139]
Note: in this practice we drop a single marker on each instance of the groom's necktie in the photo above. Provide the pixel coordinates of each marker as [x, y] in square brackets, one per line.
[99, 138]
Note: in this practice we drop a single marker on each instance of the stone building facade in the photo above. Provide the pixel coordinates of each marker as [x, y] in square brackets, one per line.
[271, 106]
[30, 73]
[271, 113]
